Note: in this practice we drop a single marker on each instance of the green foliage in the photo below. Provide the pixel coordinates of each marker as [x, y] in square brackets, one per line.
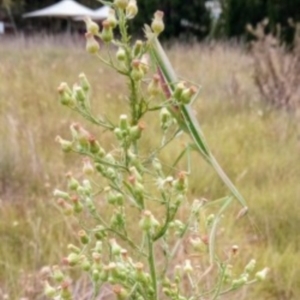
[237, 14]
[176, 12]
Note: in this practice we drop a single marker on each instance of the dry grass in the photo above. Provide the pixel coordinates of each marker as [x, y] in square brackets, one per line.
[259, 149]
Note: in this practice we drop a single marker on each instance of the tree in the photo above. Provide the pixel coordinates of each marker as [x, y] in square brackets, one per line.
[237, 14]
[9, 5]
[188, 17]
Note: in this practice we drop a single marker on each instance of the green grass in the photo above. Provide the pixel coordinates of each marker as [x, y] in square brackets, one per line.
[258, 148]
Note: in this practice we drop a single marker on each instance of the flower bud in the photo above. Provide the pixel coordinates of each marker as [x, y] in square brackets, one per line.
[77, 205]
[165, 118]
[109, 195]
[106, 33]
[137, 48]
[111, 173]
[65, 293]
[122, 4]
[91, 26]
[177, 225]
[181, 183]
[87, 169]
[84, 239]
[79, 94]
[250, 266]
[136, 174]
[84, 83]
[66, 207]
[80, 134]
[61, 194]
[177, 273]
[234, 249]
[135, 132]
[168, 292]
[73, 248]
[90, 204]
[187, 95]
[111, 19]
[140, 275]
[119, 199]
[104, 274]
[138, 191]
[66, 146]
[179, 88]
[179, 199]
[148, 222]
[99, 245]
[137, 74]
[112, 273]
[73, 259]
[120, 292]
[100, 233]
[236, 283]
[154, 87]
[115, 247]
[134, 161]
[117, 220]
[57, 274]
[227, 273]
[85, 265]
[124, 124]
[92, 46]
[157, 24]
[97, 258]
[109, 158]
[86, 184]
[144, 65]
[121, 54]
[209, 220]
[72, 182]
[131, 9]
[118, 133]
[187, 268]
[261, 275]
[95, 147]
[95, 275]
[197, 244]
[49, 291]
[65, 94]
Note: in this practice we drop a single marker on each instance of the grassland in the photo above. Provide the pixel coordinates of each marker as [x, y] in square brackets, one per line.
[257, 146]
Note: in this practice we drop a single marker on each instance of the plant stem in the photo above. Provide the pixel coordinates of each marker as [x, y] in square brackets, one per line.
[151, 261]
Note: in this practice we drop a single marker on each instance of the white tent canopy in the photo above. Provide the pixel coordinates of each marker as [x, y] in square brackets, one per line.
[100, 13]
[62, 9]
[97, 14]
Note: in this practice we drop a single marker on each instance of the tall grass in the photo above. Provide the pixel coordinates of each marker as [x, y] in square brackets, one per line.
[258, 148]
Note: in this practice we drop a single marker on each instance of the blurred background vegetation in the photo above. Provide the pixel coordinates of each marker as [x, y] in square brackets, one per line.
[191, 18]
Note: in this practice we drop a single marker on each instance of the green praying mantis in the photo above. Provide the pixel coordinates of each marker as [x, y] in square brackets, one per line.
[184, 114]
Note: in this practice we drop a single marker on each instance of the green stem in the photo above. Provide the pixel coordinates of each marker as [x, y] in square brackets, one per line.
[151, 261]
[212, 235]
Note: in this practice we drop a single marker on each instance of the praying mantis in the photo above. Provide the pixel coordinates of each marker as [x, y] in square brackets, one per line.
[184, 114]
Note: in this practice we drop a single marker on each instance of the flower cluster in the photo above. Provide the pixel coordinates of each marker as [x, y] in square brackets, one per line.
[119, 187]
